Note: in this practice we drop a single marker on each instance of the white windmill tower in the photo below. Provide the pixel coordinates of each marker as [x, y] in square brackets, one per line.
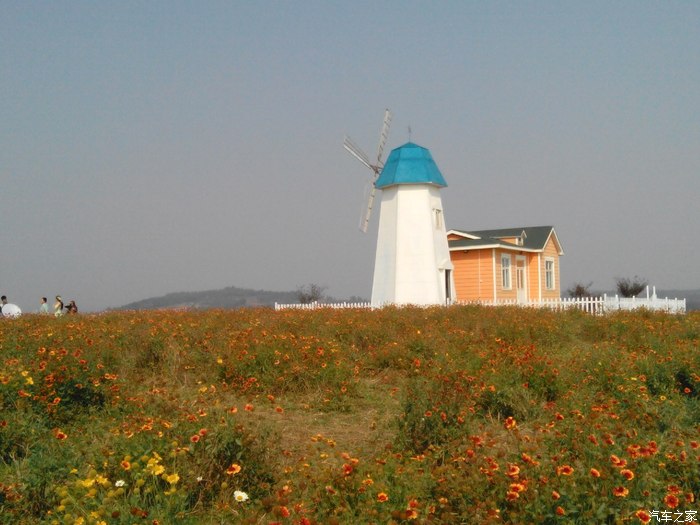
[412, 262]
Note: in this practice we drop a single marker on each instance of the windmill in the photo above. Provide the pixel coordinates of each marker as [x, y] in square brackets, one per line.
[412, 262]
[376, 168]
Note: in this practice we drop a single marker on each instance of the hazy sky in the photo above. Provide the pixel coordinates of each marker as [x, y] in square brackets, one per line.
[154, 147]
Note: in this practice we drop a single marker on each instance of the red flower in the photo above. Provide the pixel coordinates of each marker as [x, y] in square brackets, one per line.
[643, 516]
[671, 501]
[560, 511]
[510, 423]
[595, 472]
[620, 492]
[382, 497]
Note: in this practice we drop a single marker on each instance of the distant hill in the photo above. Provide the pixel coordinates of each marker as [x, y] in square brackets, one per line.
[231, 297]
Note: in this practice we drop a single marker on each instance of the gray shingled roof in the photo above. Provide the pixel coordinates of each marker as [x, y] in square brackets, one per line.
[535, 238]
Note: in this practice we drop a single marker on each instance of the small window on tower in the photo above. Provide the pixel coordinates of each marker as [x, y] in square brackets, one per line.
[438, 218]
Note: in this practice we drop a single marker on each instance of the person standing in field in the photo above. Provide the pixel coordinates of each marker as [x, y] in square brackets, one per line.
[58, 307]
[44, 308]
[9, 309]
[72, 308]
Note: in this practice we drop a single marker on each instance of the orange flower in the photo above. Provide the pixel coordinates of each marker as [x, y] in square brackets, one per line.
[671, 501]
[248, 407]
[513, 470]
[233, 469]
[643, 516]
[619, 463]
[517, 487]
[565, 470]
[512, 495]
[560, 511]
[595, 472]
[126, 465]
[195, 438]
[627, 473]
[555, 495]
[510, 423]
[59, 434]
[382, 497]
[620, 492]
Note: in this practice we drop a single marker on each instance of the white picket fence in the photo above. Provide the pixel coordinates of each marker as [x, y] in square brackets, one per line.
[591, 305]
[596, 305]
[316, 305]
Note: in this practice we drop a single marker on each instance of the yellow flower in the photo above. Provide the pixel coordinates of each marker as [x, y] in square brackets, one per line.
[102, 480]
[172, 478]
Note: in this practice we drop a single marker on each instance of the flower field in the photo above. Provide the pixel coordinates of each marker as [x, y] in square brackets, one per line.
[401, 415]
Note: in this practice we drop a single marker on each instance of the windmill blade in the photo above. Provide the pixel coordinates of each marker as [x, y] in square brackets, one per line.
[356, 152]
[368, 213]
[383, 136]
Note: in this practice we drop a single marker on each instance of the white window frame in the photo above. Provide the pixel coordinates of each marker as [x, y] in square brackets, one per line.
[550, 273]
[506, 272]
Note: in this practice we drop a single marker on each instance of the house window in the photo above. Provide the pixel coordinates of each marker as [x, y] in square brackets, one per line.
[505, 271]
[549, 273]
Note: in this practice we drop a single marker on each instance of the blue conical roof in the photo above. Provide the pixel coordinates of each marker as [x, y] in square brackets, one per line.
[410, 164]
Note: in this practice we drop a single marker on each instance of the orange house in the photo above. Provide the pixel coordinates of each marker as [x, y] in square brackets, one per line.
[516, 264]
